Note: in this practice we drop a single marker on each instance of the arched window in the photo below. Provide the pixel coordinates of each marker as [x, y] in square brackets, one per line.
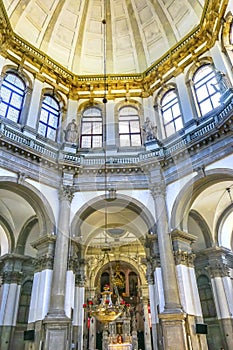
[129, 127]
[49, 118]
[206, 89]
[91, 128]
[13, 91]
[171, 114]
[24, 302]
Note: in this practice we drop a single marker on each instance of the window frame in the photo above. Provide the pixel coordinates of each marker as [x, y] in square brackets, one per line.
[204, 83]
[50, 110]
[14, 92]
[170, 105]
[96, 122]
[127, 118]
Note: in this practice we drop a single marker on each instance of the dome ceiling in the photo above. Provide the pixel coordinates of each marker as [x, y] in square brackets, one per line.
[138, 32]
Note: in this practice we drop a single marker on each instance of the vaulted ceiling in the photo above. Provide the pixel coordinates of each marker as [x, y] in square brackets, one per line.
[137, 32]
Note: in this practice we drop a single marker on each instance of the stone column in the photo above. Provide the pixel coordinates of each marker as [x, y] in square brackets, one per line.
[39, 304]
[184, 259]
[147, 335]
[79, 297]
[151, 244]
[172, 318]
[57, 324]
[92, 325]
[222, 289]
[10, 293]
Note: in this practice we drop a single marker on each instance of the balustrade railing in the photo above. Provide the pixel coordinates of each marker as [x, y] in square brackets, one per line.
[206, 127]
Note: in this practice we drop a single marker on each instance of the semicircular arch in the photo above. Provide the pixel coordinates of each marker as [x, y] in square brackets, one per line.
[35, 199]
[192, 189]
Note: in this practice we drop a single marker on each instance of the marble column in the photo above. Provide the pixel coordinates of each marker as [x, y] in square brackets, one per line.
[10, 294]
[220, 274]
[184, 260]
[79, 297]
[147, 335]
[57, 324]
[172, 318]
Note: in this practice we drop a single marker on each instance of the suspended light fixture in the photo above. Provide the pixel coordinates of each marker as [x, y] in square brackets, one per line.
[103, 308]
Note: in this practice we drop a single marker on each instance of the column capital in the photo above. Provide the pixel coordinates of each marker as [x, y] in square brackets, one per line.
[184, 258]
[219, 269]
[66, 193]
[158, 189]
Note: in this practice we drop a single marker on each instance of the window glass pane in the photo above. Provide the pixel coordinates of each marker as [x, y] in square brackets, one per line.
[176, 110]
[53, 120]
[86, 142]
[13, 114]
[3, 108]
[170, 129]
[135, 140]
[124, 140]
[97, 128]
[92, 112]
[14, 80]
[215, 100]
[16, 100]
[123, 127]
[86, 128]
[178, 124]
[205, 107]
[202, 93]
[167, 116]
[97, 141]
[51, 134]
[134, 126]
[5, 93]
[42, 129]
[128, 111]
[44, 116]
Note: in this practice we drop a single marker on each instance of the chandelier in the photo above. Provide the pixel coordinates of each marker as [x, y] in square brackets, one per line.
[103, 308]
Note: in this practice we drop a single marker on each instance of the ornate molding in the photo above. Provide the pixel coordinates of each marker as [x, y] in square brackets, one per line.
[219, 269]
[66, 193]
[158, 189]
[44, 262]
[184, 258]
[10, 277]
[198, 41]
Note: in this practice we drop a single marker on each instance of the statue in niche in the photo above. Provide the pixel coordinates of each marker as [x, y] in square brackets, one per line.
[71, 132]
[149, 129]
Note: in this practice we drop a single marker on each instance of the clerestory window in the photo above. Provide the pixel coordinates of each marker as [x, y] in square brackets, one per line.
[49, 118]
[129, 127]
[171, 114]
[206, 89]
[91, 128]
[13, 91]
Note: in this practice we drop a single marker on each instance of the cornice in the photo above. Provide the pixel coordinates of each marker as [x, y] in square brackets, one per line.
[198, 41]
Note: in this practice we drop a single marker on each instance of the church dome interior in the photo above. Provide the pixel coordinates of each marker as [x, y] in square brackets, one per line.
[116, 174]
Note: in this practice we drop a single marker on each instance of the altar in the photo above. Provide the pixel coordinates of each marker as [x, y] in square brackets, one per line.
[124, 346]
